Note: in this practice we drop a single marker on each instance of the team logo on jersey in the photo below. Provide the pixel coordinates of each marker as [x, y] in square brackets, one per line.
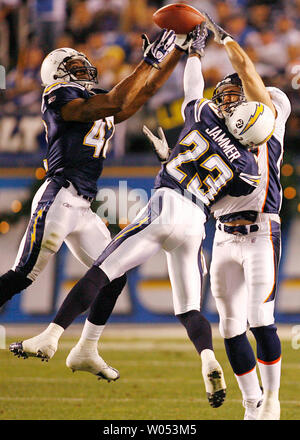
[253, 118]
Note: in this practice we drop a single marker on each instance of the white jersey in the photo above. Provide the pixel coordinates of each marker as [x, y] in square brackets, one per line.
[267, 197]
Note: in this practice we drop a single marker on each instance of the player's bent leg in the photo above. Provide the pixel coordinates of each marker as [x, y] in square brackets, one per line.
[86, 247]
[185, 267]
[199, 331]
[89, 239]
[84, 356]
[130, 248]
[45, 345]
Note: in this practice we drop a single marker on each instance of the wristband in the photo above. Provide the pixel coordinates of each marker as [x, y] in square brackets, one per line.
[227, 39]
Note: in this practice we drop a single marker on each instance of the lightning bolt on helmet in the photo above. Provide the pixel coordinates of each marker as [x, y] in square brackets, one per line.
[251, 123]
[219, 93]
[55, 67]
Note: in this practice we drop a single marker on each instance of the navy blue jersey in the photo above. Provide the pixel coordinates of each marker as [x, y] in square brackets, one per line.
[207, 161]
[75, 149]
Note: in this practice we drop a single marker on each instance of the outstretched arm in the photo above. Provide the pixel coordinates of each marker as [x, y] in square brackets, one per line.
[157, 78]
[153, 80]
[253, 85]
[124, 94]
[193, 81]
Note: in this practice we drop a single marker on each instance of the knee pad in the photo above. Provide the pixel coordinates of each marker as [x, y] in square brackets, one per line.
[12, 282]
[53, 237]
[231, 327]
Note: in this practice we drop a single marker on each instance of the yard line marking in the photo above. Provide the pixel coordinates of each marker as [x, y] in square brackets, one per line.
[116, 399]
[88, 378]
[144, 346]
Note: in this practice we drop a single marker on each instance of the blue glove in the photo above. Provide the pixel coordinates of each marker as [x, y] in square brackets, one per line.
[155, 52]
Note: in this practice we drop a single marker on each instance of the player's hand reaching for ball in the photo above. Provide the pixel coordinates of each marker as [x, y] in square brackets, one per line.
[220, 34]
[199, 37]
[155, 52]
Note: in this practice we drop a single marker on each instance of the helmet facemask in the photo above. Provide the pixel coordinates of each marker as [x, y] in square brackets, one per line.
[73, 73]
[225, 88]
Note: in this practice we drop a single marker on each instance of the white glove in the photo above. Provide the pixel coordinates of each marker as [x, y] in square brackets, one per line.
[220, 35]
[160, 144]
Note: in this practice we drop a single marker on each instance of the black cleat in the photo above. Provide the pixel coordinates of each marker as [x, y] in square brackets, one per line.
[217, 399]
[17, 349]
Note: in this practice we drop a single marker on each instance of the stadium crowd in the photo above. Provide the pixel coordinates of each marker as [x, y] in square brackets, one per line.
[109, 33]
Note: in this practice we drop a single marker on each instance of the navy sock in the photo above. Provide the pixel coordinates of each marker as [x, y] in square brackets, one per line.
[11, 283]
[81, 296]
[104, 303]
[240, 354]
[198, 329]
[268, 343]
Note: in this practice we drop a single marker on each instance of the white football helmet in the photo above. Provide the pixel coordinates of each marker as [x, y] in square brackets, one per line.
[251, 123]
[54, 67]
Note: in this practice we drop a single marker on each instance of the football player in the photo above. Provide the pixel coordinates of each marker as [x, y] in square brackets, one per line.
[197, 173]
[247, 246]
[79, 121]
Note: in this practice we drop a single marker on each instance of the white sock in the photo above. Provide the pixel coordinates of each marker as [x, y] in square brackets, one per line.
[270, 377]
[90, 334]
[249, 385]
[207, 355]
[53, 330]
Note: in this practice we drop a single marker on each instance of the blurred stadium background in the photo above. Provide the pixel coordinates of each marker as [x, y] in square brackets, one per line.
[108, 32]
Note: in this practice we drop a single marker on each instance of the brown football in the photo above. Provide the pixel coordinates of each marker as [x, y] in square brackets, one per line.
[180, 17]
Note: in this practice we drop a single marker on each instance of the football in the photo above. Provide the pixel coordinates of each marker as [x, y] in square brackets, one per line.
[179, 17]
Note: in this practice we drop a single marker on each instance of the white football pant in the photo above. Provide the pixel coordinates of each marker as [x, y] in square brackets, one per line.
[58, 217]
[170, 222]
[243, 276]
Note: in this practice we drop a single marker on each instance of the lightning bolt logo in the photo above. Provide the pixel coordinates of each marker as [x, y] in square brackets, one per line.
[33, 233]
[253, 118]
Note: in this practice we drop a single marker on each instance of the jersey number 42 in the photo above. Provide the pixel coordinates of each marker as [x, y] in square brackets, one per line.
[99, 135]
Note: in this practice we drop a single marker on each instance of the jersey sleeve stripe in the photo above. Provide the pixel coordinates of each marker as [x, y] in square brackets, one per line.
[271, 295]
[56, 86]
[47, 89]
[198, 107]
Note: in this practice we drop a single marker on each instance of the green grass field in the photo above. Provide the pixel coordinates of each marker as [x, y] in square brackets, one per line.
[160, 380]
